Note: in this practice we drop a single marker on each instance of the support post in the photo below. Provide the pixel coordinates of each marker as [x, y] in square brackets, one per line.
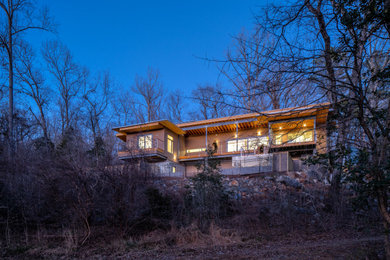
[269, 134]
[236, 137]
[206, 137]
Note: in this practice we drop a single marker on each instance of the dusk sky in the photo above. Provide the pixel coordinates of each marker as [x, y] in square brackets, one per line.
[125, 37]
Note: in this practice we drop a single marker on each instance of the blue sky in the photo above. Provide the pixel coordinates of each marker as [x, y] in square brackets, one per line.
[125, 37]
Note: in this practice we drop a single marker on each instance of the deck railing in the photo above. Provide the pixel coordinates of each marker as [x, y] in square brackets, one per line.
[135, 145]
[221, 151]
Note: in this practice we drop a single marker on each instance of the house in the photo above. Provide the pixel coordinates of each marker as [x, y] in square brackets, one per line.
[269, 141]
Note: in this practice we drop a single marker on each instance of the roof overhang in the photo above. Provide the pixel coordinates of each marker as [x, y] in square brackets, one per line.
[156, 125]
[231, 123]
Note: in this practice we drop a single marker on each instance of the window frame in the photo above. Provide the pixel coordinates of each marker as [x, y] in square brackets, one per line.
[247, 141]
[298, 136]
[170, 143]
[144, 147]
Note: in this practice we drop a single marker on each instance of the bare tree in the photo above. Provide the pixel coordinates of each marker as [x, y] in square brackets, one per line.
[175, 107]
[259, 81]
[69, 78]
[19, 16]
[151, 93]
[33, 85]
[212, 102]
[343, 49]
[97, 96]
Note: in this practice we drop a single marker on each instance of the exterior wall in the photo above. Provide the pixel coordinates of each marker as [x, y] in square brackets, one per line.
[321, 144]
[171, 156]
[182, 145]
[194, 142]
[190, 170]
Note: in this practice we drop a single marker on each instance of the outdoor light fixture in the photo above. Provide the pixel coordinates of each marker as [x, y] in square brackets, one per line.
[280, 127]
[235, 136]
[259, 133]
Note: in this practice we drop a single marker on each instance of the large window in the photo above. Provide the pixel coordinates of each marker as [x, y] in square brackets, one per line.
[169, 144]
[300, 136]
[255, 142]
[237, 145]
[250, 143]
[145, 141]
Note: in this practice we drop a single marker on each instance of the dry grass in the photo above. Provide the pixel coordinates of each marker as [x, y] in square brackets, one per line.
[190, 236]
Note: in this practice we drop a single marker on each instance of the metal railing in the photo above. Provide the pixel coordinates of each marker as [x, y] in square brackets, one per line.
[250, 164]
[222, 150]
[135, 145]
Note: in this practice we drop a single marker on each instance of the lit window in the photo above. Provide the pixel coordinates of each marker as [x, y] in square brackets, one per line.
[300, 136]
[173, 169]
[241, 144]
[254, 143]
[169, 144]
[196, 150]
[232, 146]
[278, 139]
[145, 142]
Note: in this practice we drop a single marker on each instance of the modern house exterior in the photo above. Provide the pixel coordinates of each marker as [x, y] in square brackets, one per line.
[269, 141]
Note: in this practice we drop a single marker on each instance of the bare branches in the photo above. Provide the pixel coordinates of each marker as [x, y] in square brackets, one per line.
[19, 17]
[150, 90]
[69, 78]
[33, 85]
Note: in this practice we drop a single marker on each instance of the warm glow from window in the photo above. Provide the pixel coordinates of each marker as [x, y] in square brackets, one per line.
[256, 142]
[278, 139]
[300, 136]
[250, 143]
[173, 169]
[169, 144]
[196, 150]
[145, 142]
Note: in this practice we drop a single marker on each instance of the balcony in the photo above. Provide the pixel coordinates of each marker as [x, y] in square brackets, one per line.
[195, 154]
[151, 149]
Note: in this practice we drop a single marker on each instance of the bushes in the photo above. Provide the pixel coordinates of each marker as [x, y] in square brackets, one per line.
[63, 188]
[207, 199]
[54, 192]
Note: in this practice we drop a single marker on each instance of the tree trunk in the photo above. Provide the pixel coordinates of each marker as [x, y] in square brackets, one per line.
[11, 136]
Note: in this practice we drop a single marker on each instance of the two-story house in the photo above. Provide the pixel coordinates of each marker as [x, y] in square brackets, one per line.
[269, 141]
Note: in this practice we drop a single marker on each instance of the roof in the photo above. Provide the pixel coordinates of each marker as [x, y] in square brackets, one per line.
[292, 111]
[320, 111]
[155, 125]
